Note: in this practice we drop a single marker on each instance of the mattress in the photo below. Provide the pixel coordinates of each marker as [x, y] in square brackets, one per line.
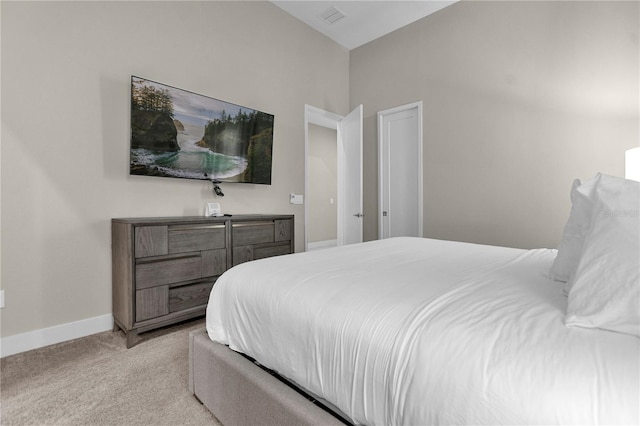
[419, 331]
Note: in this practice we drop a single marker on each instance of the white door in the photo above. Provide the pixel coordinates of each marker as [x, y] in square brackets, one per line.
[349, 164]
[400, 171]
[350, 178]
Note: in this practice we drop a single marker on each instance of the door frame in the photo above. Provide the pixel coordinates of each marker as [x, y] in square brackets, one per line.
[350, 147]
[381, 114]
[320, 117]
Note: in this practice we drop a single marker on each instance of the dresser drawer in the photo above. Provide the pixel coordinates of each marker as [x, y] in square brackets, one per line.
[189, 238]
[276, 250]
[150, 241]
[245, 233]
[189, 296]
[283, 230]
[168, 271]
[243, 254]
[152, 302]
[214, 262]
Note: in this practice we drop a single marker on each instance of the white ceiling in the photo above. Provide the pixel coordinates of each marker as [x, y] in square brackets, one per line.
[364, 21]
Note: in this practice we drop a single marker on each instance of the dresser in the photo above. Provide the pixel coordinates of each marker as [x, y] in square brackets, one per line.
[163, 269]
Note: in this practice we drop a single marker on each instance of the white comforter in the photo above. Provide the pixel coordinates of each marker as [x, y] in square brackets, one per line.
[416, 331]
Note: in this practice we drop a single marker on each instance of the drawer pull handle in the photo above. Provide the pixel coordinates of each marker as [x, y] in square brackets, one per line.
[243, 224]
[169, 258]
[190, 227]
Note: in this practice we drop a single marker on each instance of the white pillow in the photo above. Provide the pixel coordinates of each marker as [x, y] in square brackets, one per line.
[605, 290]
[574, 231]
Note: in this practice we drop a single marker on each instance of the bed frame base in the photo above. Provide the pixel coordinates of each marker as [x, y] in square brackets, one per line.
[238, 392]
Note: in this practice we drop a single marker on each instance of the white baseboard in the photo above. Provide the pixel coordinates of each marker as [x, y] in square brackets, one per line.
[11, 345]
[322, 244]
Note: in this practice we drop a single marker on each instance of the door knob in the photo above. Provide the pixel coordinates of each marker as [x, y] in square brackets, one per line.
[358, 215]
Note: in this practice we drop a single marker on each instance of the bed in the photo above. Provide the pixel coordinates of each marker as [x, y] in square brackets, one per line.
[414, 331]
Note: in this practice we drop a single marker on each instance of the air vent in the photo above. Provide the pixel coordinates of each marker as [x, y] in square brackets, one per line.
[332, 15]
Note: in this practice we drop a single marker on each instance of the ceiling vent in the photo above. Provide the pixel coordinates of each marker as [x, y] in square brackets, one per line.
[332, 15]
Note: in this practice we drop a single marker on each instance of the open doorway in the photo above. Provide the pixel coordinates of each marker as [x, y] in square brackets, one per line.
[322, 164]
[347, 134]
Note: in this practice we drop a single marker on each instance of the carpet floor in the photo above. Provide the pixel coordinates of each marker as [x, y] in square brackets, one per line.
[96, 380]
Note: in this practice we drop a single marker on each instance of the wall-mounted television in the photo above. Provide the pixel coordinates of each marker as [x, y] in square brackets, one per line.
[181, 134]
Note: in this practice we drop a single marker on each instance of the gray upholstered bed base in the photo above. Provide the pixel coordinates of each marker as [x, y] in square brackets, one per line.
[238, 392]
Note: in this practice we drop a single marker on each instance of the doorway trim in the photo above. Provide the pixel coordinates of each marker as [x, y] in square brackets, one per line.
[319, 117]
[381, 114]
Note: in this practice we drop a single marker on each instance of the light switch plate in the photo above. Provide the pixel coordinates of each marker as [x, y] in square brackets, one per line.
[296, 199]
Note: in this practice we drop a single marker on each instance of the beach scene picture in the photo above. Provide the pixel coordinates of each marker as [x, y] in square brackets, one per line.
[177, 133]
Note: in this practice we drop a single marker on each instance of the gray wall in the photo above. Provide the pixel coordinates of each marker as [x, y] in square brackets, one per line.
[66, 69]
[519, 99]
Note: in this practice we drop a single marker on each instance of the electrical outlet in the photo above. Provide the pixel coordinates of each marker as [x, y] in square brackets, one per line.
[1, 298]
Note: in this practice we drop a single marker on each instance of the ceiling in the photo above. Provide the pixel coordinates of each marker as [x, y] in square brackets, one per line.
[363, 21]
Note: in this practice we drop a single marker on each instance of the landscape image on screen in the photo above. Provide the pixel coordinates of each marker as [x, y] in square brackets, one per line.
[177, 133]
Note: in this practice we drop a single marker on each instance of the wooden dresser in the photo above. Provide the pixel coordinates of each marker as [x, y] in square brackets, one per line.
[163, 269]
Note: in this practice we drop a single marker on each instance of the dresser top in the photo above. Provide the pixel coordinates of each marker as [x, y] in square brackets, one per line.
[199, 219]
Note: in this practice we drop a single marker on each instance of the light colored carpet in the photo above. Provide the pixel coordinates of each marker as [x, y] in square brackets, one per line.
[96, 380]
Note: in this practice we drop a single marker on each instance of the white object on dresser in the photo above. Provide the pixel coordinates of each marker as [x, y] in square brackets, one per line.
[212, 209]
